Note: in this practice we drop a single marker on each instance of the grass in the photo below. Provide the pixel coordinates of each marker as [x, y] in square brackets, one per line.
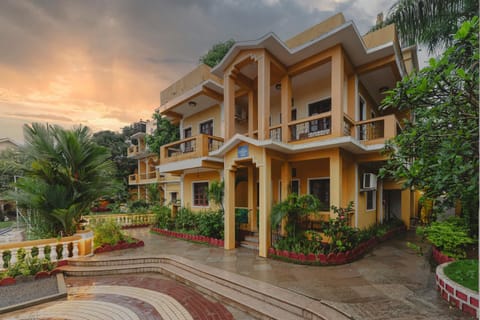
[6, 224]
[464, 272]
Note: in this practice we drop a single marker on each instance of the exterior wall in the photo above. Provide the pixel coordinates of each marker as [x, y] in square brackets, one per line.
[371, 105]
[381, 36]
[195, 120]
[189, 179]
[318, 89]
[6, 144]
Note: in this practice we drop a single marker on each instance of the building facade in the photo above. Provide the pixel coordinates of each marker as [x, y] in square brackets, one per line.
[302, 115]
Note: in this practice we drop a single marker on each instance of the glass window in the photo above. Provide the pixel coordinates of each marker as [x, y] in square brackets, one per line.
[371, 199]
[200, 194]
[320, 188]
[207, 128]
[319, 107]
[295, 187]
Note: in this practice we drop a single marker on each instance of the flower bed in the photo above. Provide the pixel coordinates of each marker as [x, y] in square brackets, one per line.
[140, 225]
[457, 295]
[189, 237]
[333, 258]
[119, 246]
[46, 272]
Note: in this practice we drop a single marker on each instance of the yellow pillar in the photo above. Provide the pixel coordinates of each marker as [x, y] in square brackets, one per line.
[406, 207]
[337, 77]
[286, 106]
[229, 199]
[229, 106]
[251, 112]
[335, 179]
[265, 181]
[263, 97]
[286, 177]
[252, 204]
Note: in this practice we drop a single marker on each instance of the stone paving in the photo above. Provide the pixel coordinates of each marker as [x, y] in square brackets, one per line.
[389, 283]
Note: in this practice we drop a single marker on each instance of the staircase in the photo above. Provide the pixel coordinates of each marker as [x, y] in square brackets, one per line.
[259, 299]
[250, 242]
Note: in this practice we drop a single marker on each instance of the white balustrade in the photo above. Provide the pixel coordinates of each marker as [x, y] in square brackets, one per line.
[75, 249]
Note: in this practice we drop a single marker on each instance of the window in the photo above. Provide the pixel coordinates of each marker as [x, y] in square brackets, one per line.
[294, 114]
[295, 187]
[200, 194]
[319, 107]
[207, 128]
[187, 133]
[320, 188]
[371, 199]
[173, 196]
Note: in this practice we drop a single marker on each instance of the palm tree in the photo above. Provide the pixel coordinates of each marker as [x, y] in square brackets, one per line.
[430, 22]
[65, 172]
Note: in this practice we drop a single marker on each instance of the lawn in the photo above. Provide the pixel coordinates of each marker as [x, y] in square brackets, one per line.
[6, 224]
[464, 272]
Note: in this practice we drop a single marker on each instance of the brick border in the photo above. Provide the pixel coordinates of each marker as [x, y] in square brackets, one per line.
[455, 294]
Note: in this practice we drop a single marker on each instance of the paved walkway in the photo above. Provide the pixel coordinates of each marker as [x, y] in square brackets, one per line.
[389, 283]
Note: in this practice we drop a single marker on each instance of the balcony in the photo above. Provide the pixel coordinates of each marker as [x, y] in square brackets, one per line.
[144, 178]
[134, 151]
[311, 127]
[377, 130]
[190, 148]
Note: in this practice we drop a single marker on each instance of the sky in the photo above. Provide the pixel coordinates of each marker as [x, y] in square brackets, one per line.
[103, 63]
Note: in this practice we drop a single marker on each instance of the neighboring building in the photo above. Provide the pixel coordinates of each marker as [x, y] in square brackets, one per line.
[146, 172]
[301, 116]
[7, 143]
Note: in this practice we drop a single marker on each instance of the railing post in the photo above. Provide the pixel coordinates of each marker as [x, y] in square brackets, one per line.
[41, 252]
[65, 251]
[13, 258]
[75, 249]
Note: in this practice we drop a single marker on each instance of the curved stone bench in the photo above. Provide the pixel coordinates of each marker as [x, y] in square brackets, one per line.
[258, 298]
[456, 294]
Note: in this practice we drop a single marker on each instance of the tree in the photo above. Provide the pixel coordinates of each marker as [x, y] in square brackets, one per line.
[438, 151]
[216, 53]
[65, 171]
[115, 143]
[165, 132]
[430, 22]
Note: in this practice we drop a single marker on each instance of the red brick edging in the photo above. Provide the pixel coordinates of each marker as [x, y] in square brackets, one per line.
[440, 257]
[119, 246]
[189, 237]
[457, 295]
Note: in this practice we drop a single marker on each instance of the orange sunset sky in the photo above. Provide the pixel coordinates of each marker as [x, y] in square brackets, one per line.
[104, 63]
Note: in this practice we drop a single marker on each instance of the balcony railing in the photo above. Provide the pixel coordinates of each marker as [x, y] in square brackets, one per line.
[276, 133]
[189, 148]
[377, 130]
[311, 127]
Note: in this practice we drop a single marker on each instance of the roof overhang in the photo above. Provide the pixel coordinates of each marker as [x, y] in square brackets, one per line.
[346, 35]
[187, 164]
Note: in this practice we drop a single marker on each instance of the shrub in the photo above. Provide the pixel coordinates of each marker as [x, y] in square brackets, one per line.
[21, 254]
[450, 236]
[210, 224]
[108, 232]
[6, 256]
[163, 216]
[34, 252]
[464, 272]
[138, 206]
[343, 237]
[47, 250]
[185, 220]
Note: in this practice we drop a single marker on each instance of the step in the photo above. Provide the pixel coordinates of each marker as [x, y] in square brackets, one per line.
[252, 239]
[249, 245]
[258, 298]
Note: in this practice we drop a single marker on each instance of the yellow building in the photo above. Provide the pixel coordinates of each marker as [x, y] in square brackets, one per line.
[146, 173]
[275, 117]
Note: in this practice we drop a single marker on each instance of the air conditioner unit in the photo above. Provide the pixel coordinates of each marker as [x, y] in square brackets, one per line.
[369, 181]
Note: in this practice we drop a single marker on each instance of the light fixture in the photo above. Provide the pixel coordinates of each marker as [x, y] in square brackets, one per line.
[192, 104]
[278, 86]
[383, 89]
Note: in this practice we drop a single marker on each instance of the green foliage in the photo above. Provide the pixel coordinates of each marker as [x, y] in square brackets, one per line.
[418, 249]
[216, 192]
[138, 206]
[430, 22]
[107, 232]
[47, 250]
[6, 256]
[34, 252]
[65, 171]
[163, 217]
[29, 266]
[464, 272]
[342, 236]
[153, 193]
[294, 209]
[211, 224]
[164, 133]
[438, 151]
[450, 236]
[216, 53]
[185, 219]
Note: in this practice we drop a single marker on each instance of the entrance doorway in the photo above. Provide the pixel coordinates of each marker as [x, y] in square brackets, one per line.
[392, 202]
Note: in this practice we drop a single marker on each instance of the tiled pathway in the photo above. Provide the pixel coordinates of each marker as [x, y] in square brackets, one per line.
[132, 297]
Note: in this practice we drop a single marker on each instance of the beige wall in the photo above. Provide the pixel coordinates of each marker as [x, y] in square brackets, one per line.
[318, 89]
[208, 114]
[188, 180]
[7, 145]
